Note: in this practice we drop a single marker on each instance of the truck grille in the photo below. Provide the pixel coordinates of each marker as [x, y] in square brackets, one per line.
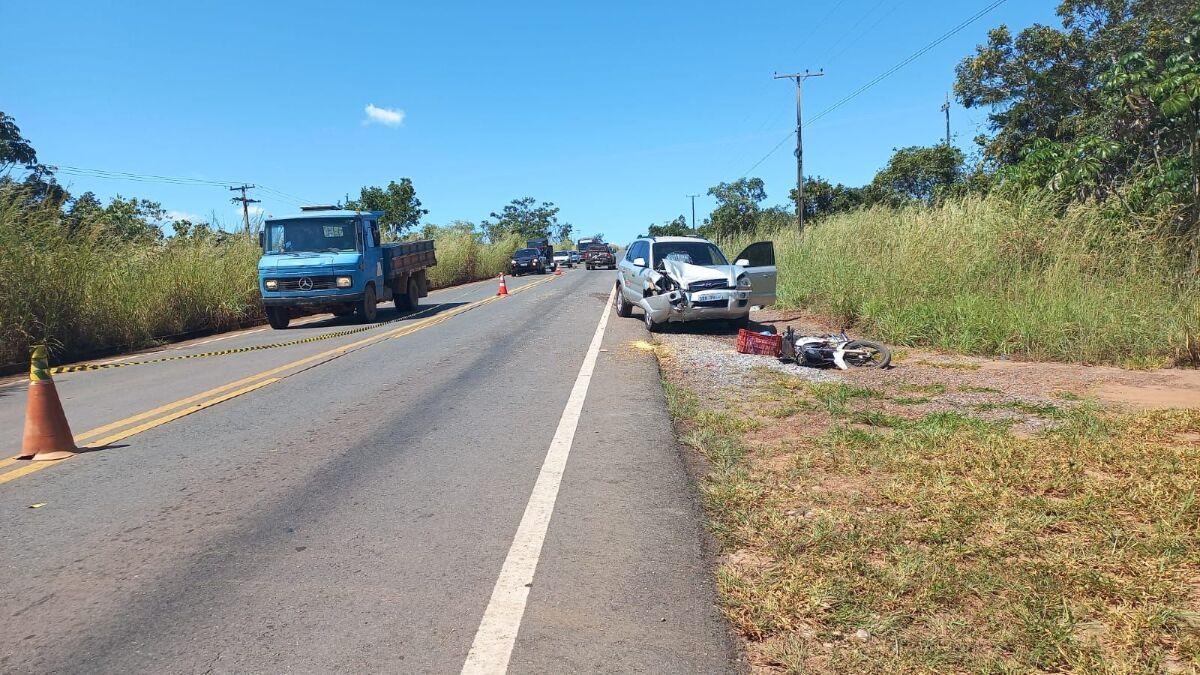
[708, 284]
[319, 283]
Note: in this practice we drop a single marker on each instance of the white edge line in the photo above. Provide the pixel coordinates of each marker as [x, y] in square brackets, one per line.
[497, 632]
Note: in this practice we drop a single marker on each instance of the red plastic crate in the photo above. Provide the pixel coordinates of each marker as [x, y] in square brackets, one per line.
[749, 342]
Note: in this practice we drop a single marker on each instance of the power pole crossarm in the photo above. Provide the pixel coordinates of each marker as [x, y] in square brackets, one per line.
[799, 78]
[245, 202]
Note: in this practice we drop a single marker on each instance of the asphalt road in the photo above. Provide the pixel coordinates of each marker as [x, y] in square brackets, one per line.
[350, 503]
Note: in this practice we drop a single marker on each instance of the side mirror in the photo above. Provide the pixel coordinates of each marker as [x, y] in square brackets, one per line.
[742, 262]
[262, 239]
[639, 262]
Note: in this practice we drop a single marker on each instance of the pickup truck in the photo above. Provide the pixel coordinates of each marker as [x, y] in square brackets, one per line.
[598, 254]
[327, 259]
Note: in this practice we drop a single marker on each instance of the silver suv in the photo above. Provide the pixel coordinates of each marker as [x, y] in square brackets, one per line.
[689, 279]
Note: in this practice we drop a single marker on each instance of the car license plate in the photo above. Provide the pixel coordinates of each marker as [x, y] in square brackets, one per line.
[709, 297]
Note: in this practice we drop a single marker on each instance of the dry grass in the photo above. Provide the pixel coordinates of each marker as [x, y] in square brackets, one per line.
[868, 535]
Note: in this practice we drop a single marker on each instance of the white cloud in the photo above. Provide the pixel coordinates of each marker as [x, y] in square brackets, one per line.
[385, 116]
[172, 216]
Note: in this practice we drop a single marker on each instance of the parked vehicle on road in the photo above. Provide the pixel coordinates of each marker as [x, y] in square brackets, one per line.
[527, 261]
[329, 260]
[821, 351]
[676, 279]
[597, 255]
[575, 258]
[582, 244]
[563, 259]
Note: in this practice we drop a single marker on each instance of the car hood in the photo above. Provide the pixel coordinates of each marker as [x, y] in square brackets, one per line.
[687, 273]
[296, 262]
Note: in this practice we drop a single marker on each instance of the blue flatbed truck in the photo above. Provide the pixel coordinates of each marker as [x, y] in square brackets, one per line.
[326, 259]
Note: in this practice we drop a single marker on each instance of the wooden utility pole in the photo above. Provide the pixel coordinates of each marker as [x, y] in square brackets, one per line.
[799, 78]
[946, 109]
[246, 202]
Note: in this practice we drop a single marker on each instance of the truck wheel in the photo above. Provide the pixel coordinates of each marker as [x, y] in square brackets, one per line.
[367, 309]
[624, 309]
[409, 300]
[278, 317]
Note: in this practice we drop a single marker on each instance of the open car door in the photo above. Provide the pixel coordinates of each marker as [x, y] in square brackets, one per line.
[759, 261]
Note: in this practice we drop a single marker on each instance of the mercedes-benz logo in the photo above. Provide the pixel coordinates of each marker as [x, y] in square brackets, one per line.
[305, 284]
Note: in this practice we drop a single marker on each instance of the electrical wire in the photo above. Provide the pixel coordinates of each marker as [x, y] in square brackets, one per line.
[879, 78]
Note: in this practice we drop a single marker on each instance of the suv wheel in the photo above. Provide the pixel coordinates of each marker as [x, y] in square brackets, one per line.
[651, 325]
[624, 309]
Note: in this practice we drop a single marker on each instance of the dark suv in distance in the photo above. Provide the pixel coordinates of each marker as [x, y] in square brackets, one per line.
[527, 260]
[598, 254]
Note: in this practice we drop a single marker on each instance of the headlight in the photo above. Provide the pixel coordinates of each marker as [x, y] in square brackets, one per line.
[344, 282]
[271, 284]
[743, 281]
[514, 262]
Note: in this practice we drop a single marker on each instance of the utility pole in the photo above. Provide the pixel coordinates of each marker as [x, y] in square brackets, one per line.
[946, 109]
[799, 78]
[693, 198]
[246, 202]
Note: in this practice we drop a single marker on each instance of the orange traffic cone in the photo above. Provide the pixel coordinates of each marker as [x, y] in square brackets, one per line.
[47, 434]
[558, 271]
[503, 288]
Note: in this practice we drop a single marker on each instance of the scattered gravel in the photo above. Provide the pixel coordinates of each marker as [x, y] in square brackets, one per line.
[716, 353]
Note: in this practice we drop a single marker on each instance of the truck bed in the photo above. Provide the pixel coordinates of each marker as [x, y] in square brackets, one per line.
[406, 257]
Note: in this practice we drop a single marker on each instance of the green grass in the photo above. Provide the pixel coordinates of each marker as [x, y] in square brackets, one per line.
[83, 294]
[991, 277]
[955, 545]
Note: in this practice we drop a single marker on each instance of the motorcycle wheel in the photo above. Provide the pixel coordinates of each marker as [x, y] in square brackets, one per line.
[866, 354]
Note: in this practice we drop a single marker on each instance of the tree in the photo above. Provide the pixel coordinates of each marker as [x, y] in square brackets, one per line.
[14, 149]
[401, 209]
[737, 207]
[526, 218]
[917, 174]
[822, 198]
[672, 228]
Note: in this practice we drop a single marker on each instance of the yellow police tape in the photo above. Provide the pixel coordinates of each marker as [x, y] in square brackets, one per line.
[239, 350]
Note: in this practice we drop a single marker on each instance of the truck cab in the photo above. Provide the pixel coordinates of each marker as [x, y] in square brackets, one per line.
[328, 259]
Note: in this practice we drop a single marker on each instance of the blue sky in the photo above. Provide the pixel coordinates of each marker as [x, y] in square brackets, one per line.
[614, 111]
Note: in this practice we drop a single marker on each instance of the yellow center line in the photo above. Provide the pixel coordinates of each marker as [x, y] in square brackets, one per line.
[245, 385]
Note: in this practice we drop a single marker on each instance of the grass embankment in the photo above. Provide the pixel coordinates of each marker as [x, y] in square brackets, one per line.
[993, 276]
[87, 293]
[857, 541]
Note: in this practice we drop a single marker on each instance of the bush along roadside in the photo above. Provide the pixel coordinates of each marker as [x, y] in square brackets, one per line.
[860, 536]
[997, 276]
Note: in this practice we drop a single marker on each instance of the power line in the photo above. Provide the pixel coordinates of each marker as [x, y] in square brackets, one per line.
[845, 35]
[887, 73]
[916, 55]
[111, 174]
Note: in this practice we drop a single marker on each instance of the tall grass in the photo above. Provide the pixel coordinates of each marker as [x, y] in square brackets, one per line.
[465, 256]
[86, 293]
[991, 276]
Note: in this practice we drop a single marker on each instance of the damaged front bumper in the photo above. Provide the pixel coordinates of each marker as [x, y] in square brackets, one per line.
[679, 305]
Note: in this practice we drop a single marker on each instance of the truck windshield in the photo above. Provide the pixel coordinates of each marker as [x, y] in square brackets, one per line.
[311, 236]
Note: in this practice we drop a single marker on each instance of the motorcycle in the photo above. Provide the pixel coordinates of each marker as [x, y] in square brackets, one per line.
[821, 351]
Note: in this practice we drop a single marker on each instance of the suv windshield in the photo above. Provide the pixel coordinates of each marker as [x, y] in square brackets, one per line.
[312, 236]
[527, 253]
[691, 252]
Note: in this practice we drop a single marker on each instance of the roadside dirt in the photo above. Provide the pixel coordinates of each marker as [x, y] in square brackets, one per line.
[1126, 389]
